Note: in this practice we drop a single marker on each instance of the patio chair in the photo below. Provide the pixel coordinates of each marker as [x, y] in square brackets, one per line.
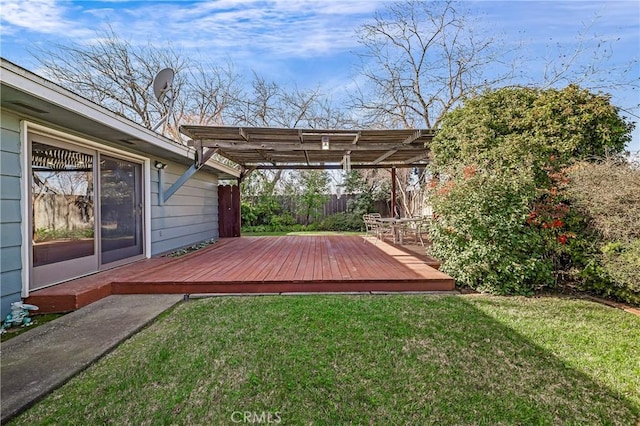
[374, 227]
[416, 229]
[370, 225]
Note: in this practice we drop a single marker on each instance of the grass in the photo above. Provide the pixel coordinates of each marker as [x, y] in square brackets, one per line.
[330, 360]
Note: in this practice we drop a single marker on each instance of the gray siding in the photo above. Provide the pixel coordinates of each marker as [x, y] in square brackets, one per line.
[10, 213]
[189, 216]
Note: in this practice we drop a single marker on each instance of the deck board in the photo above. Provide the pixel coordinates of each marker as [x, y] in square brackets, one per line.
[329, 263]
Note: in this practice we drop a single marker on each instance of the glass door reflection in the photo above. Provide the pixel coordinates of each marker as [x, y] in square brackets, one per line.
[62, 212]
[62, 193]
[121, 212]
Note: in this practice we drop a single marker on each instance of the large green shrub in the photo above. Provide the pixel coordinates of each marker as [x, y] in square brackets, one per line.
[479, 233]
[363, 191]
[608, 193]
[503, 221]
[516, 127]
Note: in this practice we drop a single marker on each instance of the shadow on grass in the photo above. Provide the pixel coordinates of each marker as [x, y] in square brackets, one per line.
[336, 360]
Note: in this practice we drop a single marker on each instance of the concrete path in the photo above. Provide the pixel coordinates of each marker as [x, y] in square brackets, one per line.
[41, 360]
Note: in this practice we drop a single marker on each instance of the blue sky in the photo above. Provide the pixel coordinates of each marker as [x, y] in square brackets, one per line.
[311, 43]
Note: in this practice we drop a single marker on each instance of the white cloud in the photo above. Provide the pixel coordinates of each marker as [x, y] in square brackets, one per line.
[39, 16]
[280, 29]
[272, 29]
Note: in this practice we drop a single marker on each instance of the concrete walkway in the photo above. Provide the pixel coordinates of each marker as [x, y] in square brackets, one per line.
[43, 359]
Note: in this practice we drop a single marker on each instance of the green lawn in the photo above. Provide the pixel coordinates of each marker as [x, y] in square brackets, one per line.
[335, 360]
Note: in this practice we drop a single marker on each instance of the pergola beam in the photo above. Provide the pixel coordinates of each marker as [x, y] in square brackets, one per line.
[295, 146]
[338, 166]
[244, 134]
[416, 158]
[412, 138]
[202, 156]
[286, 148]
[357, 138]
[330, 134]
[267, 157]
[384, 156]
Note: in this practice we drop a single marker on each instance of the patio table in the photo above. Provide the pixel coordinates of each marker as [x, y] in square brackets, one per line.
[397, 224]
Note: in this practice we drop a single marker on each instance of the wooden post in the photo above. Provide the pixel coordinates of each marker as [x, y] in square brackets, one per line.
[238, 206]
[393, 192]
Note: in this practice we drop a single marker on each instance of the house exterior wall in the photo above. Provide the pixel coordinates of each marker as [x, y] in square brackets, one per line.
[189, 216]
[10, 212]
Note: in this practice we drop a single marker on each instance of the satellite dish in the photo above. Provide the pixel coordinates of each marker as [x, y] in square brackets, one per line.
[161, 86]
[162, 83]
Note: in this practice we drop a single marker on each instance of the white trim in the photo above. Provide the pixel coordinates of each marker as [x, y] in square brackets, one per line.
[25, 249]
[147, 207]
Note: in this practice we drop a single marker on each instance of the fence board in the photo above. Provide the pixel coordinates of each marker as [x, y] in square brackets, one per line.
[335, 204]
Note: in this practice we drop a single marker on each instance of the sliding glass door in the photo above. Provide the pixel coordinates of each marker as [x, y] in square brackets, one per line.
[120, 209]
[86, 211]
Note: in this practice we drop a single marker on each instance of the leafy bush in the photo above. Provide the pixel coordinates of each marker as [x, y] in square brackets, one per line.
[342, 222]
[516, 127]
[259, 212]
[363, 191]
[339, 222]
[621, 261]
[480, 237]
[315, 187]
[278, 228]
[282, 221]
[504, 221]
[608, 193]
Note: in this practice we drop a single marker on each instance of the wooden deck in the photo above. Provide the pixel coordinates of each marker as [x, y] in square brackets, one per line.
[259, 265]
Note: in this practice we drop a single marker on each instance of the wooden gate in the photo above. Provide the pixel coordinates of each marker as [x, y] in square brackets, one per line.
[229, 211]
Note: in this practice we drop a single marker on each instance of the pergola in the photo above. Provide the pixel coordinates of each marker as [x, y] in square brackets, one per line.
[259, 148]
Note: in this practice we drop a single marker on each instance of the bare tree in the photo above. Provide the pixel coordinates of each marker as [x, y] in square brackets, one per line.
[119, 76]
[113, 73]
[269, 104]
[209, 96]
[420, 60]
[588, 63]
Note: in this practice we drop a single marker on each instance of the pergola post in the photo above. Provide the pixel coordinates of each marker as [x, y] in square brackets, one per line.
[393, 191]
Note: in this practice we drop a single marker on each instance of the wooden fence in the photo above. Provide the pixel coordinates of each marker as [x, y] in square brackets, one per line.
[335, 204]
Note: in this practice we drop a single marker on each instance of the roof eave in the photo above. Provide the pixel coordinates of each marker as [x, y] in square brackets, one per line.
[38, 87]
